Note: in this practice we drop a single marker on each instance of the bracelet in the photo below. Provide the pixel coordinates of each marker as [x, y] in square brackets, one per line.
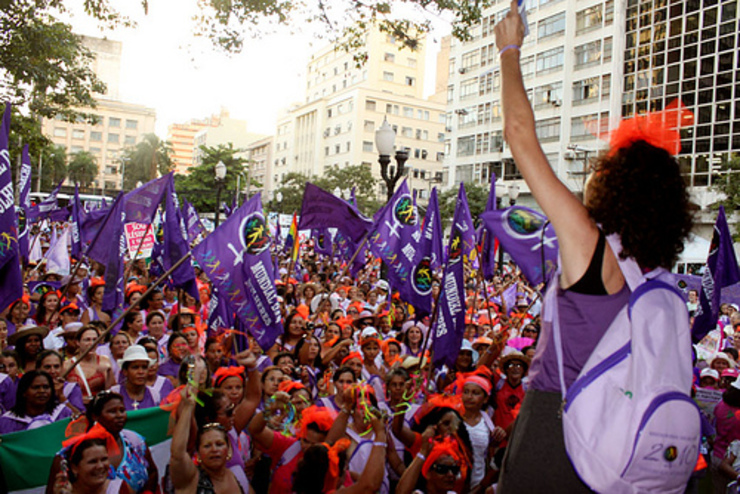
[509, 47]
[421, 456]
[380, 444]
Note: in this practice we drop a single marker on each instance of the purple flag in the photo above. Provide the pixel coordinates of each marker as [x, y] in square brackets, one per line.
[721, 271]
[142, 202]
[488, 251]
[449, 326]
[321, 209]
[75, 225]
[114, 240]
[91, 223]
[236, 257]
[428, 255]
[11, 286]
[192, 220]
[519, 231]
[47, 206]
[395, 240]
[219, 314]
[176, 244]
[322, 241]
[107, 232]
[24, 184]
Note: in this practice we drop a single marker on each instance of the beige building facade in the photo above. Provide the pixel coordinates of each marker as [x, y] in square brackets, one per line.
[181, 137]
[344, 106]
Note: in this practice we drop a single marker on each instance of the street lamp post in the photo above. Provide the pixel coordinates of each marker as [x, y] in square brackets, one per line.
[220, 172]
[123, 170]
[385, 138]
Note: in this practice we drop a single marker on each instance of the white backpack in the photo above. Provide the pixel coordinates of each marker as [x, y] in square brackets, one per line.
[629, 422]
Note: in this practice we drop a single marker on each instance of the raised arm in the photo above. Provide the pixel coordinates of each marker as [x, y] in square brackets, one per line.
[183, 471]
[246, 408]
[576, 231]
[371, 478]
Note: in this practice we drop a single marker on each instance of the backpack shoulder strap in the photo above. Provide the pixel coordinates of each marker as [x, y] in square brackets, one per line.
[648, 286]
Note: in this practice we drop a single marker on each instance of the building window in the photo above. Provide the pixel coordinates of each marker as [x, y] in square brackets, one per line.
[589, 19]
[370, 105]
[466, 146]
[96, 136]
[450, 93]
[60, 132]
[469, 88]
[94, 150]
[388, 76]
[583, 127]
[408, 112]
[550, 60]
[588, 54]
[469, 61]
[367, 146]
[132, 124]
[129, 140]
[410, 81]
[114, 122]
[551, 26]
[113, 138]
[78, 134]
[411, 62]
[369, 126]
[75, 149]
[608, 50]
[548, 129]
[548, 95]
[407, 132]
[609, 13]
[527, 66]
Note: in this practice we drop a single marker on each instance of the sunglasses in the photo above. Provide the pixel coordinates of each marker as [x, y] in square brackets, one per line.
[445, 469]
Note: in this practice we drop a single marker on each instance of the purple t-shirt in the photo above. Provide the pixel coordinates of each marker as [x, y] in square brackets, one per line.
[169, 368]
[583, 321]
[10, 422]
[128, 403]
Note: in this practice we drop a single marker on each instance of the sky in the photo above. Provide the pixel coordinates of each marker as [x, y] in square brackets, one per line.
[165, 67]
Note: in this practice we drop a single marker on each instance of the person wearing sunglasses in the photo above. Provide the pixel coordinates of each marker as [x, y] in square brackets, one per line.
[442, 464]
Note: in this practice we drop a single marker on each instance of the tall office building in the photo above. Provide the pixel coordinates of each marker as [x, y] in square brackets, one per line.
[572, 73]
[345, 104]
[120, 124]
[181, 137]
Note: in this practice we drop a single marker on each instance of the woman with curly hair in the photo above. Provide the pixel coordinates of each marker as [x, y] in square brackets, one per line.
[635, 193]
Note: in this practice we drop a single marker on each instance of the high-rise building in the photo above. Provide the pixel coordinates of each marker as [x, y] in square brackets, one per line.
[120, 124]
[572, 72]
[345, 104]
[181, 137]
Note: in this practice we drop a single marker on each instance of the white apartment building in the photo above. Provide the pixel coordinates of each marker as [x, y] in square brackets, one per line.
[573, 80]
[345, 104]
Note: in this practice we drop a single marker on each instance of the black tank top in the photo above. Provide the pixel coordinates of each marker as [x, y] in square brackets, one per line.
[591, 282]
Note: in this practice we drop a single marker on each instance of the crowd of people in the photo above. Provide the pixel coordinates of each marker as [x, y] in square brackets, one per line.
[348, 399]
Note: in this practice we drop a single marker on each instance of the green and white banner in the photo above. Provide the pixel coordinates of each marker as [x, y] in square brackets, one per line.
[26, 457]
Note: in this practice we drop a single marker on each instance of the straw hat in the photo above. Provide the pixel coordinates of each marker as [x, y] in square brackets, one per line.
[25, 331]
[135, 353]
[514, 356]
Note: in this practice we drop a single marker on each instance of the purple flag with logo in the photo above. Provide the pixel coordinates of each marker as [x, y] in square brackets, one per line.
[428, 255]
[519, 230]
[11, 284]
[721, 271]
[24, 184]
[220, 317]
[395, 240]
[488, 251]
[236, 257]
[176, 244]
[321, 209]
[322, 241]
[47, 206]
[76, 222]
[449, 326]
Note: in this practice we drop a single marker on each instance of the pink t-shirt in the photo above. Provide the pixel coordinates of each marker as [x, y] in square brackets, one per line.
[728, 427]
[282, 478]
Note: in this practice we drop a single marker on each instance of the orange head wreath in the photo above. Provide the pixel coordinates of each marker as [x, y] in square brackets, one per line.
[439, 401]
[96, 432]
[659, 129]
[224, 373]
[321, 418]
[332, 473]
[290, 386]
[448, 446]
[353, 355]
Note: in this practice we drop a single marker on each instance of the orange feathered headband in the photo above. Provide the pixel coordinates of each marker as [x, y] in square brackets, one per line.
[659, 129]
[446, 447]
[96, 432]
[322, 417]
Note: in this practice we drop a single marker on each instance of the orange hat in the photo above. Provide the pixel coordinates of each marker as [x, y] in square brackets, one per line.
[448, 446]
[303, 311]
[322, 417]
[351, 356]
[135, 288]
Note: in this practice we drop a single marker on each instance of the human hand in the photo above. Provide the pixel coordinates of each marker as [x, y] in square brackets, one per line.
[498, 434]
[246, 359]
[510, 30]
[427, 439]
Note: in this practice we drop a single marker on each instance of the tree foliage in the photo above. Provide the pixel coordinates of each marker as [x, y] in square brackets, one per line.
[146, 161]
[200, 186]
[358, 177]
[477, 197]
[82, 169]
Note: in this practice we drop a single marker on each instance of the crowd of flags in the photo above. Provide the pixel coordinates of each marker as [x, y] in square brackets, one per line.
[240, 255]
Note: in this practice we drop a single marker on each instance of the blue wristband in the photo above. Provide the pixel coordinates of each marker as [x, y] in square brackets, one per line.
[509, 47]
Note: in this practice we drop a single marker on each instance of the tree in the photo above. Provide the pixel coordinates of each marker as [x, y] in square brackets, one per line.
[477, 197]
[359, 177]
[82, 169]
[53, 167]
[145, 161]
[290, 192]
[200, 186]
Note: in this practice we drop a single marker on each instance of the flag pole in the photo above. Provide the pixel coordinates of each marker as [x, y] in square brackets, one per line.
[132, 307]
[357, 251]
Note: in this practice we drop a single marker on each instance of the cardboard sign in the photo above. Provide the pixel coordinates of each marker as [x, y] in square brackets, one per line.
[707, 399]
[134, 233]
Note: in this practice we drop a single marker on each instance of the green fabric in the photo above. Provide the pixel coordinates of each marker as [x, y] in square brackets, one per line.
[26, 457]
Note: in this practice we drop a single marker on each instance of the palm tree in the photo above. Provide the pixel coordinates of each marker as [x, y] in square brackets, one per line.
[149, 159]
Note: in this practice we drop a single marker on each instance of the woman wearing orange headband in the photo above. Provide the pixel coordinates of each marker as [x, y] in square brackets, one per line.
[442, 463]
[636, 193]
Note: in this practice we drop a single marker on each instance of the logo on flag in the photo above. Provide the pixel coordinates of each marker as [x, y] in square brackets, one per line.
[22, 220]
[404, 211]
[456, 246]
[421, 277]
[521, 223]
[255, 235]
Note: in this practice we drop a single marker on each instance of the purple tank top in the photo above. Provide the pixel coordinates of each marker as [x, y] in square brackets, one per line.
[583, 321]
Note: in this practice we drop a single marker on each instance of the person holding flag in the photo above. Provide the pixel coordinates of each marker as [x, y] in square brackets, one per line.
[636, 193]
